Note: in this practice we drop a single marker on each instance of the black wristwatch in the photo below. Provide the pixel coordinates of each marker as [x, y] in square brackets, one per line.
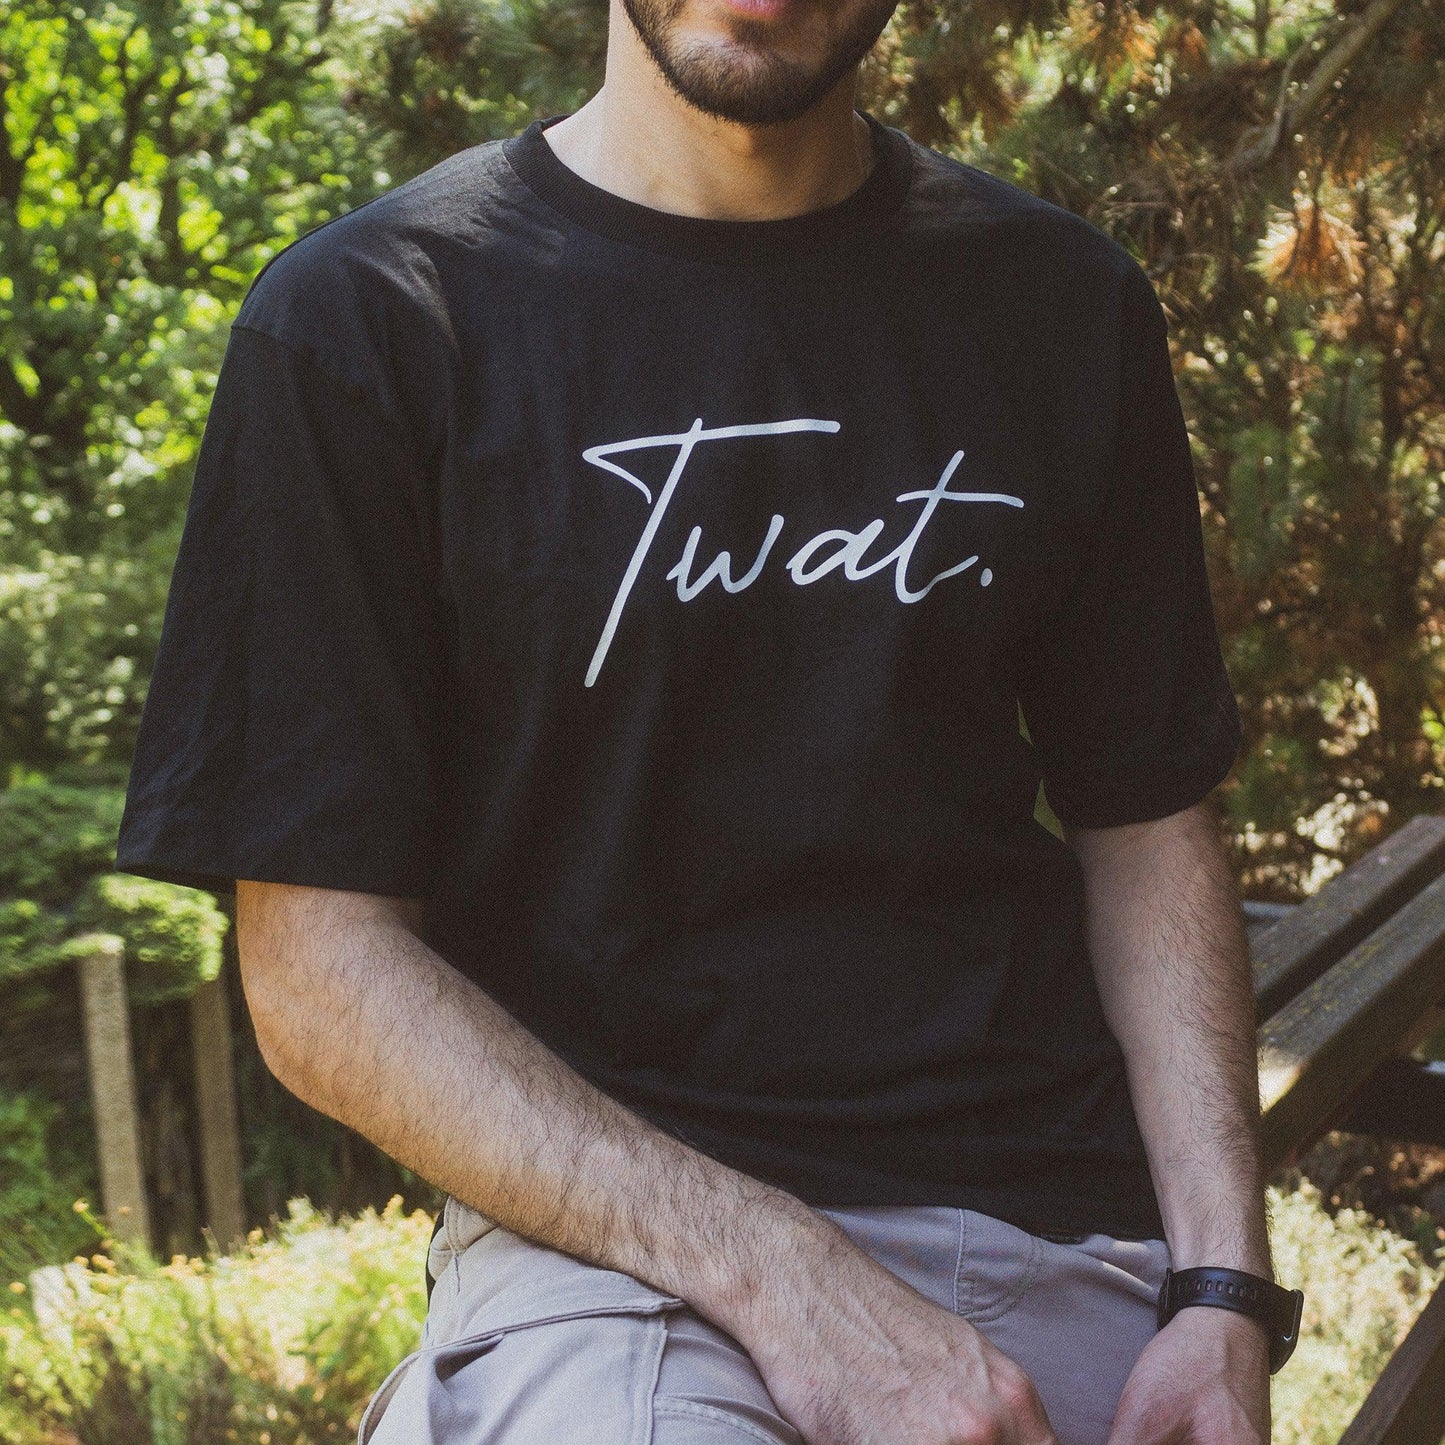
[1236, 1289]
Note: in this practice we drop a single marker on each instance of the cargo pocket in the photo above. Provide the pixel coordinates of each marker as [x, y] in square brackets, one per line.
[521, 1334]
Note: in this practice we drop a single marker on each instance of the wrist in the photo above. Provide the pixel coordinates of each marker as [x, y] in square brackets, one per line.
[1223, 1221]
[1253, 1257]
[777, 1261]
[1238, 1242]
[1232, 1334]
[755, 1250]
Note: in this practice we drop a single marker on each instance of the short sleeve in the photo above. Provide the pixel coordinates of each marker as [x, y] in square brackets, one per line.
[291, 730]
[1123, 687]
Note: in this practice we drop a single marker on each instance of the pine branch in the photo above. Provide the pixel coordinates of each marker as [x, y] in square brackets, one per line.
[1260, 143]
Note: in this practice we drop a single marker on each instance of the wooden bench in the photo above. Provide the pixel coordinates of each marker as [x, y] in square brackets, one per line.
[1347, 984]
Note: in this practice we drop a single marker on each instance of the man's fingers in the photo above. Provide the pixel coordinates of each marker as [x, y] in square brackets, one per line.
[1021, 1397]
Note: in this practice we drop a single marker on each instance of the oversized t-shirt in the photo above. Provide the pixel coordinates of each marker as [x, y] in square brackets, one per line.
[657, 596]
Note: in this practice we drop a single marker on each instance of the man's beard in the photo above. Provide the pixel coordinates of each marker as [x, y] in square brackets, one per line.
[760, 88]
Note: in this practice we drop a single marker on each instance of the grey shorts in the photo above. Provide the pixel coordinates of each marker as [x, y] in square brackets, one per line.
[526, 1345]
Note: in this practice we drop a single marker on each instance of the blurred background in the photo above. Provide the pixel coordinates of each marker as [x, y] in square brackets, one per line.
[238, 1267]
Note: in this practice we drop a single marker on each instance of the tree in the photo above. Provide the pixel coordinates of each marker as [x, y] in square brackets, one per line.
[152, 156]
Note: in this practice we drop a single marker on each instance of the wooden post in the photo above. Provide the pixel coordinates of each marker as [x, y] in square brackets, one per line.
[112, 1089]
[220, 1134]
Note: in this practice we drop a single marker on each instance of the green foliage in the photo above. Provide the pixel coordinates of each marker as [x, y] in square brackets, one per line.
[284, 1340]
[29, 939]
[54, 838]
[172, 934]
[54, 841]
[40, 1183]
[455, 73]
[57, 848]
[77, 637]
[152, 158]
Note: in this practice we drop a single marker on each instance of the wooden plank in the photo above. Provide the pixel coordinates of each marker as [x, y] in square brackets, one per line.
[112, 1089]
[1292, 953]
[1259, 915]
[1317, 1050]
[216, 1113]
[1406, 1405]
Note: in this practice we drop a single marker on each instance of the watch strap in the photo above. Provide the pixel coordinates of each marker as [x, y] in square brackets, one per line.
[1277, 1308]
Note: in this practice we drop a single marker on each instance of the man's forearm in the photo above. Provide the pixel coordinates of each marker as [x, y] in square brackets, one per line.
[1170, 954]
[362, 1020]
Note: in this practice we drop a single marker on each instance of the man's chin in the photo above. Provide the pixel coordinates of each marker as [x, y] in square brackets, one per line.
[747, 114]
[722, 87]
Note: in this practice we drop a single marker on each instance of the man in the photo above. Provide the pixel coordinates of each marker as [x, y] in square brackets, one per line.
[616, 564]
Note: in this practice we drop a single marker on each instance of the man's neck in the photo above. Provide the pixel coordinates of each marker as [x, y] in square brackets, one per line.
[645, 144]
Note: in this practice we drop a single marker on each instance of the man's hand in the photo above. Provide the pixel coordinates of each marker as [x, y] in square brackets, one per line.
[853, 1355]
[1202, 1380]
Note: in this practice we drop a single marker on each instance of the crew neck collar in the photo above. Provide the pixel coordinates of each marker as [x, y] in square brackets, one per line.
[707, 238]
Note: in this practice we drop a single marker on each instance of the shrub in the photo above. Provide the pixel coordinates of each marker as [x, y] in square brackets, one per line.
[29, 935]
[38, 1222]
[55, 837]
[172, 935]
[279, 1343]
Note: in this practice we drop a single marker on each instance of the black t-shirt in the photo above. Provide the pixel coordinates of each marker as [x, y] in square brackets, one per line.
[657, 595]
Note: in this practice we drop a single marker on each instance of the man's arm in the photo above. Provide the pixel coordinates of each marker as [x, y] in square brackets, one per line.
[356, 1015]
[1168, 948]
[1169, 951]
